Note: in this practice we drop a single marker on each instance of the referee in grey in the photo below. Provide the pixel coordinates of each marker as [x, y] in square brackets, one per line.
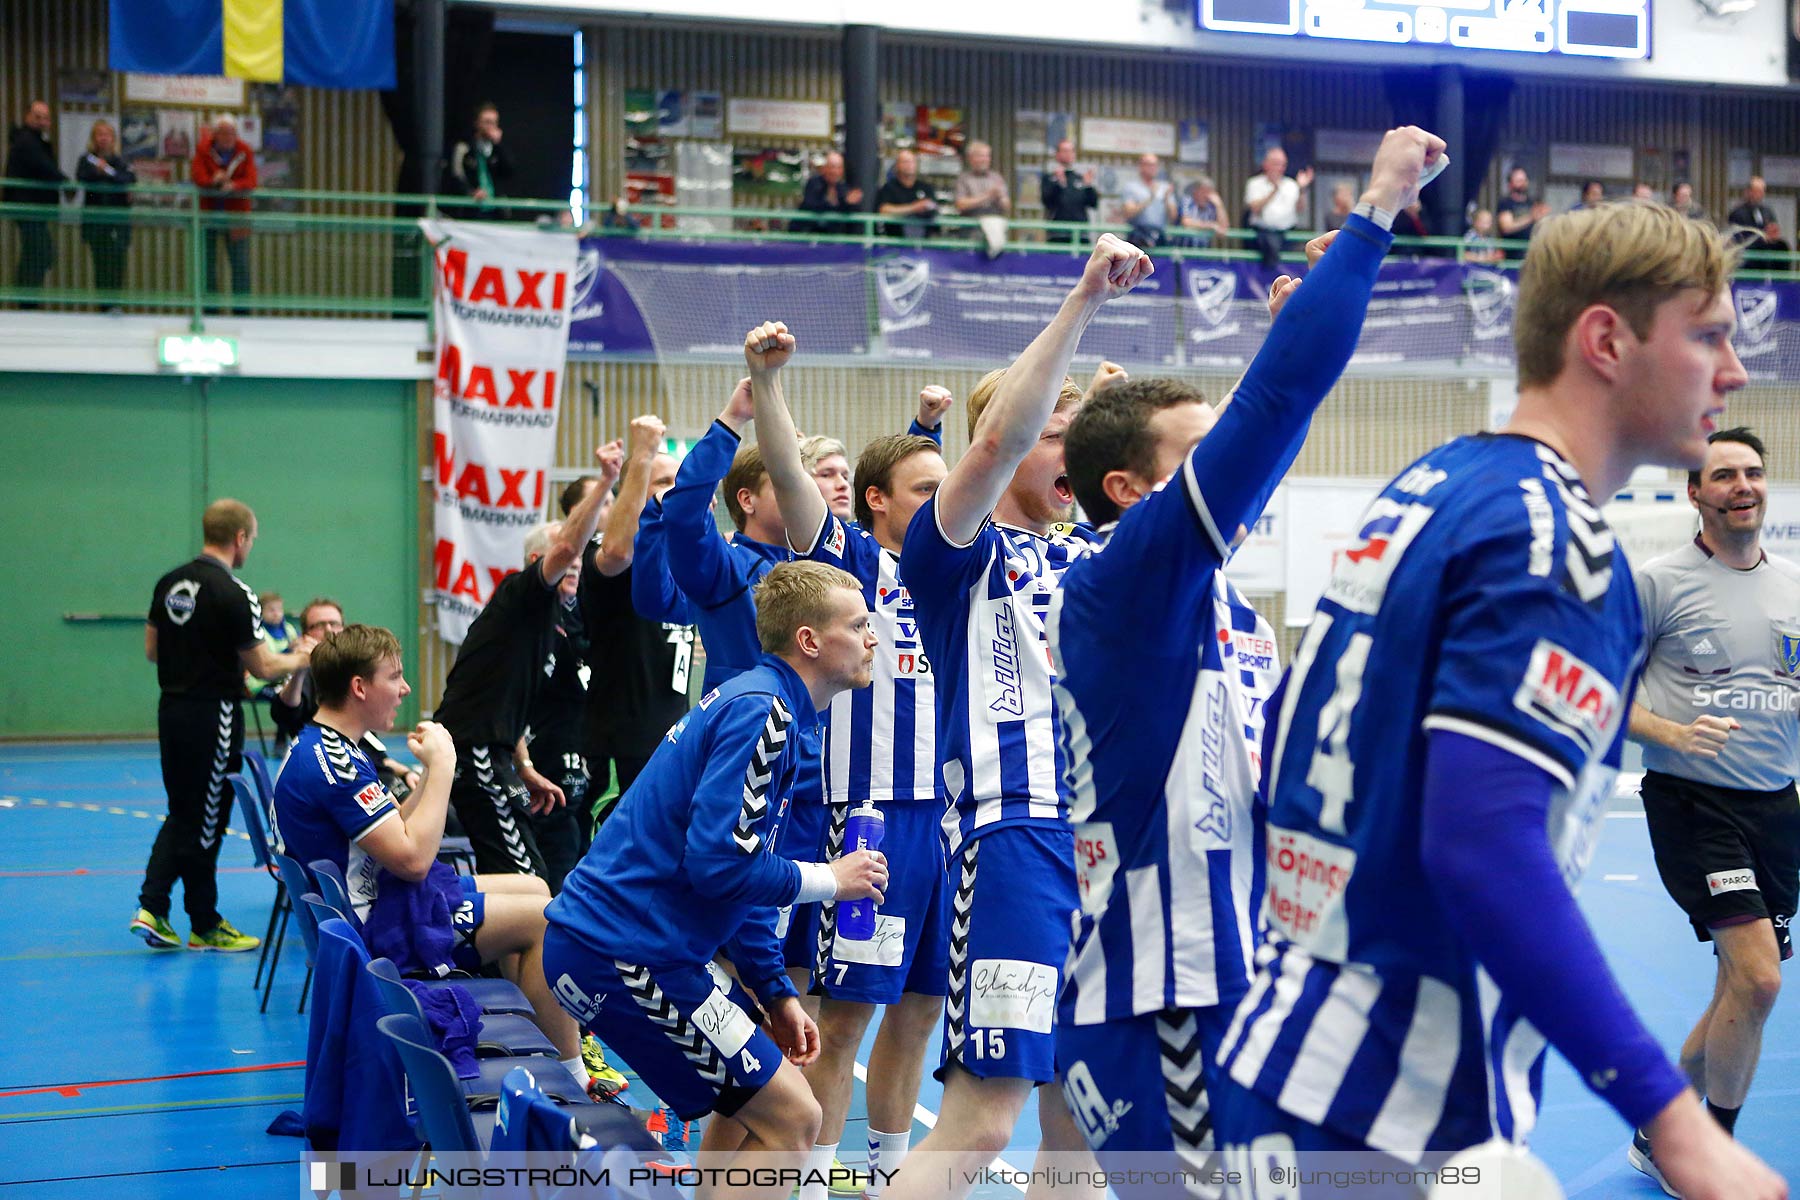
[1718, 713]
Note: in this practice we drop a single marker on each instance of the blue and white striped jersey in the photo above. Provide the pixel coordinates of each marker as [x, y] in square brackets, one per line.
[880, 741]
[1483, 595]
[981, 614]
[1163, 672]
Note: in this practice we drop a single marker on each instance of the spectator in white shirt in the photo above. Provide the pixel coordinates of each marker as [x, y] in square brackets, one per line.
[1275, 201]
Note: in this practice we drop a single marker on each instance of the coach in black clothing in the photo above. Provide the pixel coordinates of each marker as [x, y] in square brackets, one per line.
[203, 632]
[488, 698]
[1753, 214]
[830, 196]
[638, 681]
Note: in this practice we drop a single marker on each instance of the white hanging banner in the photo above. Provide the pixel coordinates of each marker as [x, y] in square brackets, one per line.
[501, 295]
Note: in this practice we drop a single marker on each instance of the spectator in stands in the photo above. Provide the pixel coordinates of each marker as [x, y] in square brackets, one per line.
[31, 155]
[1343, 199]
[980, 190]
[1642, 191]
[1149, 204]
[388, 852]
[618, 215]
[479, 168]
[1517, 213]
[1202, 214]
[224, 170]
[1593, 195]
[1682, 201]
[107, 231]
[904, 195]
[1064, 198]
[1275, 201]
[1478, 243]
[1753, 214]
[829, 195]
[1772, 240]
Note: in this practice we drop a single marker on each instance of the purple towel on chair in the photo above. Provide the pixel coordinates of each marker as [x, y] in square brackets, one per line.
[409, 923]
[455, 1021]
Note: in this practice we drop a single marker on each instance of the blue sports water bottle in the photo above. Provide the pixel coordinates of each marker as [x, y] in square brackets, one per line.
[862, 831]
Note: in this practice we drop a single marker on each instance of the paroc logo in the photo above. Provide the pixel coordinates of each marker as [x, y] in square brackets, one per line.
[1212, 291]
[903, 282]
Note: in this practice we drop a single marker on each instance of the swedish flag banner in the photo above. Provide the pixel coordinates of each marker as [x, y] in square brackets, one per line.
[313, 43]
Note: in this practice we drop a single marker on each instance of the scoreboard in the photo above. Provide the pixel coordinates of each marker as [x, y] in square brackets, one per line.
[1596, 28]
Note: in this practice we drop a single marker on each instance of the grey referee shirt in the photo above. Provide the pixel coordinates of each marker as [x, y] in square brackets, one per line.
[1724, 642]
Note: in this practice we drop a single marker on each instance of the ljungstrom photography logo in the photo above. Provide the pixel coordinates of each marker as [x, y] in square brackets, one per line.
[333, 1176]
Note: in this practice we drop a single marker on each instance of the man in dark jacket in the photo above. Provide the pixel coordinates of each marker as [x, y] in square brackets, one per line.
[30, 155]
[1065, 197]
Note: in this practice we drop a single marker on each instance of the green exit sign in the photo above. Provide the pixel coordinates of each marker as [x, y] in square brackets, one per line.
[198, 354]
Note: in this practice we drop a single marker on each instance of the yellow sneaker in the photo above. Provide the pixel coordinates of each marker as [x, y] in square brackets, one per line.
[846, 1181]
[604, 1082]
[156, 931]
[223, 936]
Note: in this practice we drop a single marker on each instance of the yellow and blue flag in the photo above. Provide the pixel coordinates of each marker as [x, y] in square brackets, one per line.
[312, 43]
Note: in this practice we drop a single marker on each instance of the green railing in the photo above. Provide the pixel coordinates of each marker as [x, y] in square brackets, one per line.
[316, 253]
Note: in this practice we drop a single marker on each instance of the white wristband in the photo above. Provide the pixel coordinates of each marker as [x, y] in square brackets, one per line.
[816, 883]
[1379, 216]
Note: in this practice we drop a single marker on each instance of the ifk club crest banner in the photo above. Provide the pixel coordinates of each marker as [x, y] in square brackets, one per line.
[501, 296]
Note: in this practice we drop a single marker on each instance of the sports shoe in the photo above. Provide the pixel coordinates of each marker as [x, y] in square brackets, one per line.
[675, 1130]
[1640, 1157]
[156, 931]
[604, 1081]
[223, 937]
[846, 1181]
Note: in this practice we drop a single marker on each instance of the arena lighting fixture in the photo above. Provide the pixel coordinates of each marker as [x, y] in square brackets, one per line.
[197, 354]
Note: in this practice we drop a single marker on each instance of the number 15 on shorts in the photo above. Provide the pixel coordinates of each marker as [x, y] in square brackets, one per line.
[988, 1043]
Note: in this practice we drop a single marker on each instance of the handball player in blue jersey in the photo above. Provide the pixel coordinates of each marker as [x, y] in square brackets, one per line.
[880, 750]
[1446, 741]
[981, 568]
[1164, 713]
[685, 869]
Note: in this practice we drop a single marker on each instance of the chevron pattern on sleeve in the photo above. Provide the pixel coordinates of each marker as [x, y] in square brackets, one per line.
[758, 775]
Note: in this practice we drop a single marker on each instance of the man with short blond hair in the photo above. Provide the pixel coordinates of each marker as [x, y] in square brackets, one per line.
[1459, 701]
[686, 869]
[203, 632]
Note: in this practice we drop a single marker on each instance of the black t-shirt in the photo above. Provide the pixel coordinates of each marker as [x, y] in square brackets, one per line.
[638, 684]
[203, 615]
[499, 669]
[895, 192]
[557, 711]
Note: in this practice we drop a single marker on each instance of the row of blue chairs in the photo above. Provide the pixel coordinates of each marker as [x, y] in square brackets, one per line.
[254, 790]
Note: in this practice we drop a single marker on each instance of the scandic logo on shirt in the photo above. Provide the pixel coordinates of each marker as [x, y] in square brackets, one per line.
[1568, 695]
[371, 798]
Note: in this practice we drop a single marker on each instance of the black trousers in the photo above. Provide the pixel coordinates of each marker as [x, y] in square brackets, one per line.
[491, 802]
[562, 833]
[202, 741]
[36, 253]
[237, 257]
[109, 245]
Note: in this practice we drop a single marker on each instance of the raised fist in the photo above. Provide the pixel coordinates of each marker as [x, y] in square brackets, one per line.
[768, 346]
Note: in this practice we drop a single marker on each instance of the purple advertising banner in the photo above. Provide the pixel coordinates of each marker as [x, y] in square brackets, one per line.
[668, 298]
[959, 305]
[665, 298]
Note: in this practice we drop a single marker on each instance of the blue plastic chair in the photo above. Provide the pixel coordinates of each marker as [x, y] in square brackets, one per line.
[335, 888]
[503, 1035]
[262, 852]
[259, 775]
[294, 878]
[449, 1127]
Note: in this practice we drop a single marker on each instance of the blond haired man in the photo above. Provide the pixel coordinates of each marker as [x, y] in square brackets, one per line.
[685, 869]
[1446, 745]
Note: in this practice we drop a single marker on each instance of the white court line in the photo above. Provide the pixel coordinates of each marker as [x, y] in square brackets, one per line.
[928, 1119]
[1625, 816]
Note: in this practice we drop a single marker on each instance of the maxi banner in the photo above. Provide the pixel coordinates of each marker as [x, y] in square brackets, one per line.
[665, 298]
[501, 298]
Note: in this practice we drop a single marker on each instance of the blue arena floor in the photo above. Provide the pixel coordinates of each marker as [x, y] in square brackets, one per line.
[141, 1074]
